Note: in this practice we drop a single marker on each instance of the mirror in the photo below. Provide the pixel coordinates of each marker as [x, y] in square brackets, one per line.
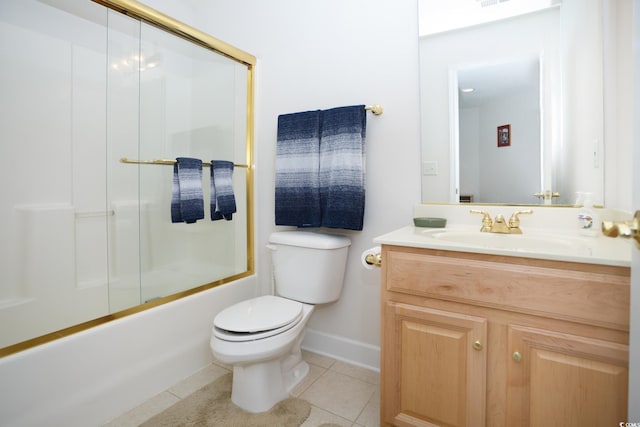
[93, 96]
[527, 69]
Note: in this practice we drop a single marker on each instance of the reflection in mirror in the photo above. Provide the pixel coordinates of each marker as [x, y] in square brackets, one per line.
[86, 237]
[556, 138]
[488, 95]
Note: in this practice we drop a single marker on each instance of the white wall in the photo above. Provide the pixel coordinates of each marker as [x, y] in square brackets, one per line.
[618, 102]
[310, 55]
[320, 55]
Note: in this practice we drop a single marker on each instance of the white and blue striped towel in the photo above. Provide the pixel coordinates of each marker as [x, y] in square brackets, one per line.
[187, 204]
[342, 167]
[297, 170]
[320, 168]
[223, 201]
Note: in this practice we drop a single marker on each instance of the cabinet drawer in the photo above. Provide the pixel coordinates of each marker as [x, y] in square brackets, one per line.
[585, 293]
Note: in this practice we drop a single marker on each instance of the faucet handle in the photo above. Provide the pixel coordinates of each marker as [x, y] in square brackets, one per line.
[486, 219]
[514, 221]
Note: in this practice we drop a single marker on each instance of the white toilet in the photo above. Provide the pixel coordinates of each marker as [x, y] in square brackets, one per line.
[261, 337]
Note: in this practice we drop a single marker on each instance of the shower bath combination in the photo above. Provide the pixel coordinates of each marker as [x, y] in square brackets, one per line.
[87, 236]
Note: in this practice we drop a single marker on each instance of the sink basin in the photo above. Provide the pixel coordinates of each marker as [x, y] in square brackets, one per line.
[512, 242]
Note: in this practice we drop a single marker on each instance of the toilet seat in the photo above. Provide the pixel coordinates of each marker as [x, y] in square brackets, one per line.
[257, 318]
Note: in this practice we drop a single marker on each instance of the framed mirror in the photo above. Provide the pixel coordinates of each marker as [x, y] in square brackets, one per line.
[100, 99]
[536, 69]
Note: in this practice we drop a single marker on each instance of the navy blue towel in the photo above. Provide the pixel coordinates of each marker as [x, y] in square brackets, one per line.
[187, 204]
[297, 200]
[223, 201]
[320, 168]
[342, 167]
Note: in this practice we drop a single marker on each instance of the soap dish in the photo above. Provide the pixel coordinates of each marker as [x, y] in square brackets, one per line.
[430, 222]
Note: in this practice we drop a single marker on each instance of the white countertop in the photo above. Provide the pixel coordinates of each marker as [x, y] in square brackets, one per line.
[555, 238]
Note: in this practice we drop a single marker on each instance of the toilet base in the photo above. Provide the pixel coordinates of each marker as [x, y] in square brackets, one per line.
[265, 371]
[257, 387]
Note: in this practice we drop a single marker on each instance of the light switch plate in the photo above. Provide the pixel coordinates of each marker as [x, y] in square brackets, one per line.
[430, 168]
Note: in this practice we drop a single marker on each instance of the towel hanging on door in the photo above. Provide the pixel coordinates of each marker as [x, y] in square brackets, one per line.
[187, 204]
[223, 201]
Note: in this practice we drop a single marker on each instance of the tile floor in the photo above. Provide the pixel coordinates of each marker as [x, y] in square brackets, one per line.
[339, 393]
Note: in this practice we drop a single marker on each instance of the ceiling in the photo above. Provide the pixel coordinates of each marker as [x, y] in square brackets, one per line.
[492, 81]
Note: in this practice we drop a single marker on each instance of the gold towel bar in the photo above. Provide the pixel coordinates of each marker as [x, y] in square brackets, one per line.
[375, 109]
[165, 162]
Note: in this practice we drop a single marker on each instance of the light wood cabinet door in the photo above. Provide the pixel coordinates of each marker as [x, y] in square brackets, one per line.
[434, 367]
[558, 379]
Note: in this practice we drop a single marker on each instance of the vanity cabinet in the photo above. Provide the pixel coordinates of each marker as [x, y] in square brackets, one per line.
[434, 350]
[474, 339]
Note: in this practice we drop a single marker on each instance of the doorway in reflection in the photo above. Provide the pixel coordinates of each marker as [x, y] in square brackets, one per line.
[499, 138]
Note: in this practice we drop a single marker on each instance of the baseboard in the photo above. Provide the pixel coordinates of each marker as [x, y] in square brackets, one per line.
[345, 349]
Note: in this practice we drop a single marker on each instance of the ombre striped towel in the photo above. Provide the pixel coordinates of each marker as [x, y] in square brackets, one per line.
[320, 168]
[187, 204]
[223, 201]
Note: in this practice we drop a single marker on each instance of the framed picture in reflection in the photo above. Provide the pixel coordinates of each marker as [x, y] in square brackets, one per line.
[504, 136]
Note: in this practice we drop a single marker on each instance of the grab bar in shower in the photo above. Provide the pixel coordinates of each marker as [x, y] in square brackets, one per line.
[95, 214]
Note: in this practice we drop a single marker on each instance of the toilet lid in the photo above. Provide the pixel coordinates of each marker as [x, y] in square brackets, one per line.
[259, 314]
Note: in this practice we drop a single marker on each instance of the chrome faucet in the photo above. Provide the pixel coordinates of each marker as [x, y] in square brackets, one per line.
[499, 224]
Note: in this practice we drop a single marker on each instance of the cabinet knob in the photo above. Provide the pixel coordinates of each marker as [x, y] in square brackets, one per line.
[477, 345]
[516, 356]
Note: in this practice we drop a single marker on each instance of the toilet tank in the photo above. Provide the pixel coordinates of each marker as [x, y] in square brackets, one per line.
[308, 266]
